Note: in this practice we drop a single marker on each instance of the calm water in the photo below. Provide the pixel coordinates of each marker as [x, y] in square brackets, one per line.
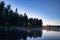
[47, 35]
[28, 34]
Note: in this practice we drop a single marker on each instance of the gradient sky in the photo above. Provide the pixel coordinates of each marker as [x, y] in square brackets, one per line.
[47, 10]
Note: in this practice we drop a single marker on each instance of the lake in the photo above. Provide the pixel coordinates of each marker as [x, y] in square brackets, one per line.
[50, 33]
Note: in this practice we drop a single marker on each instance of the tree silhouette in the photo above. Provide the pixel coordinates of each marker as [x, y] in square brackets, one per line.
[40, 22]
[8, 7]
[8, 14]
[25, 19]
[16, 17]
[10, 18]
[1, 12]
[21, 22]
[31, 21]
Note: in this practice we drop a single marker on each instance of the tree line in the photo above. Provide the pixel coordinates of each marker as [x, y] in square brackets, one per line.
[10, 18]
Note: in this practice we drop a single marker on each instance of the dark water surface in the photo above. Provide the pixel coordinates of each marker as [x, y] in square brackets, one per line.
[31, 34]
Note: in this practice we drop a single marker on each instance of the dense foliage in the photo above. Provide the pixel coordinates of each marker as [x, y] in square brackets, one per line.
[10, 18]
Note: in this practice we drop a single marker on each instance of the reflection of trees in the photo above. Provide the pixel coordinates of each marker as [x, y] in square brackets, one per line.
[15, 34]
[35, 33]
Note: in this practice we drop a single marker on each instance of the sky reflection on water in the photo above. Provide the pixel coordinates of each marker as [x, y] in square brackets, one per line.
[48, 35]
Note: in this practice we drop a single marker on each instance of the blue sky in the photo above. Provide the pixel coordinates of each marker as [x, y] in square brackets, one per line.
[47, 10]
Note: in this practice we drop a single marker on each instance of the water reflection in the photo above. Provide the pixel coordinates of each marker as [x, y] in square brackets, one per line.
[50, 35]
[18, 35]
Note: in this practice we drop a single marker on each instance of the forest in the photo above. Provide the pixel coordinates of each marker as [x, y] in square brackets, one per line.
[10, 18]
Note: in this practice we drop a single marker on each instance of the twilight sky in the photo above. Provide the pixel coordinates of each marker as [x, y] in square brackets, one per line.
[47, 10]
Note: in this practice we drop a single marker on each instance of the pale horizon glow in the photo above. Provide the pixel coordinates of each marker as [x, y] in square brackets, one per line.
[48, 11]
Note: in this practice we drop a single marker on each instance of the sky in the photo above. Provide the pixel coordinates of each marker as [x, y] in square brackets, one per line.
[47, 10]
